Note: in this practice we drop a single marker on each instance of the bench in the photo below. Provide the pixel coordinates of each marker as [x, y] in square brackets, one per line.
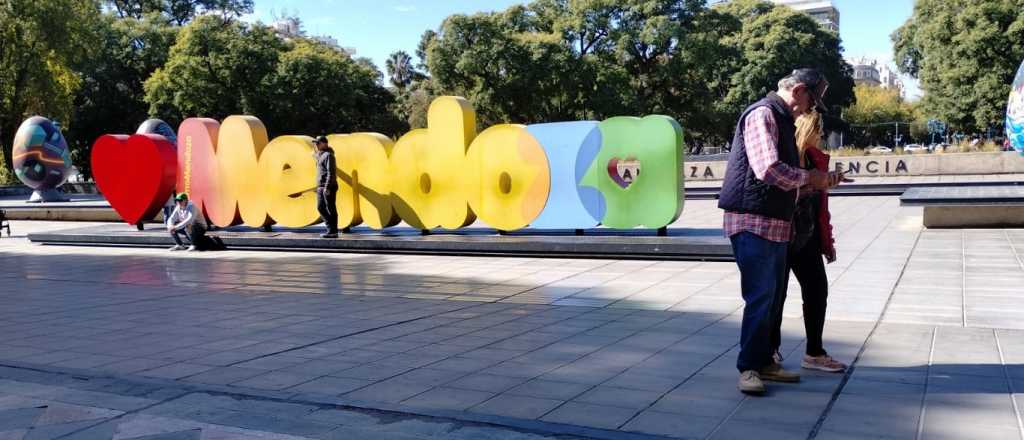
[968, 206]
[4, 223]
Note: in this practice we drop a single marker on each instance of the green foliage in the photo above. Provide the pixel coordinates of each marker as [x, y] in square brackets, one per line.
[547, 60]
[965, 52]
[320, 89]
[111, 97]
[179, 12]
[218, 69]
[401, 71]
[873, 117]
[6, 176]
[554, 60]
[40, 43]
[771, 42]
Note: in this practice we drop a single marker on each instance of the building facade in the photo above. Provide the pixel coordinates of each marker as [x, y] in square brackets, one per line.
[869, 72]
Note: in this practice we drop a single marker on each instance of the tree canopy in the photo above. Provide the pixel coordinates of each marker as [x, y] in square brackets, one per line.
[111, 96]
[41, 42]
[965, 53]
[101, 66]
[874, 117]
[592, 59]
[296, 86]
[180, 11]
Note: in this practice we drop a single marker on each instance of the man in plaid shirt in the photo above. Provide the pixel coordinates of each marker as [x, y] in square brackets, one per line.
[759, 195]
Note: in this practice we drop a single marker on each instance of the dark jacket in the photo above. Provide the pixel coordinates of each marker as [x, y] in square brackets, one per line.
[742, 191]
[325, 170]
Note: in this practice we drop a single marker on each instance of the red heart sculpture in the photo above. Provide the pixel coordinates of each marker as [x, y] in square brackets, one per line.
[135, 173]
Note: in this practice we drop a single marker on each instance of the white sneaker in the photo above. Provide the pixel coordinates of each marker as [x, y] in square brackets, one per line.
[750, 383]
[192, 248]
[176, 248]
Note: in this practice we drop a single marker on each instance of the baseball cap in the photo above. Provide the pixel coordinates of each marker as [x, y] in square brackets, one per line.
[321, 139]
[815, 82]
[181, 197]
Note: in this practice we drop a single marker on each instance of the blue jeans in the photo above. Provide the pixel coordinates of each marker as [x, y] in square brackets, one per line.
[763, 269]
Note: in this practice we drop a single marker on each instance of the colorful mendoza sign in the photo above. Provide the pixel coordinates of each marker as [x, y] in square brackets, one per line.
[622, 173]
[1015, 112]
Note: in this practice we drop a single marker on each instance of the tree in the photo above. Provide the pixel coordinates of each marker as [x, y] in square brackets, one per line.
[772, 41]
[180, 12]
[507, 70]
[965, 53]
[321, 89]
[592, 59]
[216, 70]
[40, 43]
[401, 72]
[874, 117]
[298, 86]
[111, 98]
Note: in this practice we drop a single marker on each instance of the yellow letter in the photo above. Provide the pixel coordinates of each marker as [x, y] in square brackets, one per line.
[509, 177]
[364, 180]
[428, 167]
[289, 172]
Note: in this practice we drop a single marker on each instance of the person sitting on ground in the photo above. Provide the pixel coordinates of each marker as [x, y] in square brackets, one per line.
[188, 221]
[811, 240]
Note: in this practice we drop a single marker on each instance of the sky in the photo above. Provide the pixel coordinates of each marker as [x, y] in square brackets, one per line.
[376, 28]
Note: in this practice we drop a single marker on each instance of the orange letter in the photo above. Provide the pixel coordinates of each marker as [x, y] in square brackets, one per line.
[509, 177]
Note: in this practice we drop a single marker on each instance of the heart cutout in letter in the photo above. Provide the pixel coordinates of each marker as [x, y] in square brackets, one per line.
[135, 173]
[624, 172]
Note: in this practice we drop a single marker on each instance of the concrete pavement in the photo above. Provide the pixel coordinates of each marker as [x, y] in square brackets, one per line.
[930, 319]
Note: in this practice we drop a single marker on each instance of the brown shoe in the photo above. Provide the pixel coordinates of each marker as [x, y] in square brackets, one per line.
[750, 383]
[776, 373]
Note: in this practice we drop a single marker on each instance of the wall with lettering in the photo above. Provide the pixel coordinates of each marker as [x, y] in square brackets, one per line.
[890, 166]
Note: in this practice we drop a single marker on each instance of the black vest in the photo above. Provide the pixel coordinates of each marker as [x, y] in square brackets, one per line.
[743, 192]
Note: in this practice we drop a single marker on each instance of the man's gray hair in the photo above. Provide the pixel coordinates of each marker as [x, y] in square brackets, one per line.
[788, 83]
[809, 77]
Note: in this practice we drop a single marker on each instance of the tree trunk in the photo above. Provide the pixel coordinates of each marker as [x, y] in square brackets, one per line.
[7, 129]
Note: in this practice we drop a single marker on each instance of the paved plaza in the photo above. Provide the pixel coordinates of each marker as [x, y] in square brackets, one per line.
[130, 343]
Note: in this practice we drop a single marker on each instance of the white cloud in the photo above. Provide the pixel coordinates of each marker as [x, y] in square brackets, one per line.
[405, 8]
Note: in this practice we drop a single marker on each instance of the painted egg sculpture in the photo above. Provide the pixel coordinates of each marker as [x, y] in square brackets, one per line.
[40, 154]
[157, 126]
[1015, 112]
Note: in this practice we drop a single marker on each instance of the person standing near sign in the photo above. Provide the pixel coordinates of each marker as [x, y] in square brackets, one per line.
[759, 194]
[811, 239]
[326, 187]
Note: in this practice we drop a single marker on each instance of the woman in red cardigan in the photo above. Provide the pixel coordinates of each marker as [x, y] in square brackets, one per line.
[811, 240]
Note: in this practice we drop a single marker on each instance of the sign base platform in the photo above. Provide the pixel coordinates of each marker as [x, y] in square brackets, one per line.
[677, 244]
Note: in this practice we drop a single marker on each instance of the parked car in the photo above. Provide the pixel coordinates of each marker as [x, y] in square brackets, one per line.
[879, 150]
[915, 148]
